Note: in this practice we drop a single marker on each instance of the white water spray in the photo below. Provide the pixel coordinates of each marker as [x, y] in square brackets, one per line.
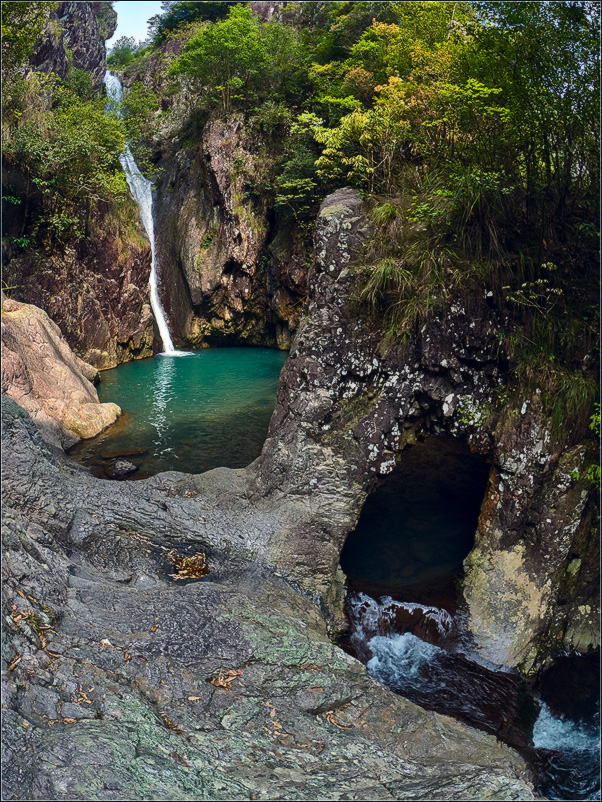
[141, 189]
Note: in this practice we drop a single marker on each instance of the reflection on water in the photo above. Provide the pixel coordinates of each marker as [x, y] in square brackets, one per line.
[203, 410]
[164, 391]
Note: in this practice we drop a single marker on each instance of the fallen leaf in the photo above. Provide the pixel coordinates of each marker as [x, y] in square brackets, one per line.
[194, 698]
[14, 662]
[106, 642]
[84, 696]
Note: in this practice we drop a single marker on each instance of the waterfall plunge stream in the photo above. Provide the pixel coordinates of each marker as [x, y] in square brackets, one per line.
[141, 190]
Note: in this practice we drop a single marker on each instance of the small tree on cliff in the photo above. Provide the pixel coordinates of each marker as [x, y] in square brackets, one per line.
[226, 57]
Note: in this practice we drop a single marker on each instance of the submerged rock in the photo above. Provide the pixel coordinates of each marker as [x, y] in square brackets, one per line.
[119, 468]
[43, 375]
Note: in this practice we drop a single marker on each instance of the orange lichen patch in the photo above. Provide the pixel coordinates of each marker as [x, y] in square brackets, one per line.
[192, 567]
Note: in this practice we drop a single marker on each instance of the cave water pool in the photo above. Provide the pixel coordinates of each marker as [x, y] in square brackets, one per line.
[203, 410]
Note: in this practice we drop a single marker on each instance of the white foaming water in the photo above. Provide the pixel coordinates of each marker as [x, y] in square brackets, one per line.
[550, 732]
[141, 190]
[400, 661]
[370, 615]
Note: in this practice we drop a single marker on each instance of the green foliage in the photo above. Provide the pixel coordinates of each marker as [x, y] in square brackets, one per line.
[298, 195]
[123, 52]
[66, 148]
[273, 118]
[137, 108]
[226, 57]
[594, 421]
[22, 26]
[176, 14]
[79, 82]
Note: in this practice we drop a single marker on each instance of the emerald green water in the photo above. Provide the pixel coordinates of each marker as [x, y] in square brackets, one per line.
[187, 413]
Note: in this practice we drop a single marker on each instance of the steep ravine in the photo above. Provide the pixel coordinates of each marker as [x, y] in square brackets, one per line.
[228, 686]
[233, 271]
[121, 678]
[229, 276]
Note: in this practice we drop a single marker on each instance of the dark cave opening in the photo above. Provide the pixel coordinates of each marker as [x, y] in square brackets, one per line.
[418, 526]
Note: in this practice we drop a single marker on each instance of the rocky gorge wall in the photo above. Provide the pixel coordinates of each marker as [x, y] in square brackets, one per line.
[226, 273]
[345, 413]
[229, 686]
[75, 36]
[346, 408]
[230, 270]
[96, 292]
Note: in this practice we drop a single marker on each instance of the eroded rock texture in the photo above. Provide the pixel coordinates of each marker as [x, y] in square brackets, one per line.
[346, 411]
[120, 681]
[97, 293]
[76, 34]
[43, 375]
[226, 275]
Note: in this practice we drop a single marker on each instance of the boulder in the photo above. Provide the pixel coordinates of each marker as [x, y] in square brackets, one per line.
[43, 375]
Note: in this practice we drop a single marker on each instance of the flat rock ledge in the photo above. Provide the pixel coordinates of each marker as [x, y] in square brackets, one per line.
[122, 682]
[43, 375]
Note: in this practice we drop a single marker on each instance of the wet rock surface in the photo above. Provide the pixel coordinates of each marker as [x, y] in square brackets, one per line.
[43, 375]
[121, 681]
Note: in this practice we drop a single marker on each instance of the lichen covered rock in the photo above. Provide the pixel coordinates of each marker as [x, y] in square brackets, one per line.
[346, 410]
[120, 676]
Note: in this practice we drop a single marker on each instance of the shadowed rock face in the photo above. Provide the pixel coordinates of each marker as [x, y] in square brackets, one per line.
[121, 677]
[43, 375]
[222, 278]
[98, 295]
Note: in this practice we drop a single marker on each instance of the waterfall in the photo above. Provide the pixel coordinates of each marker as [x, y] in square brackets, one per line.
[141, 190]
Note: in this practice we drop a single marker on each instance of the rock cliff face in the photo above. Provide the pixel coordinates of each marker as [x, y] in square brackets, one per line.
[229, 271]
[96, 292]
[43, 375]
[76, 35]
[226, 274]
[345, 413]
[117, 676]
